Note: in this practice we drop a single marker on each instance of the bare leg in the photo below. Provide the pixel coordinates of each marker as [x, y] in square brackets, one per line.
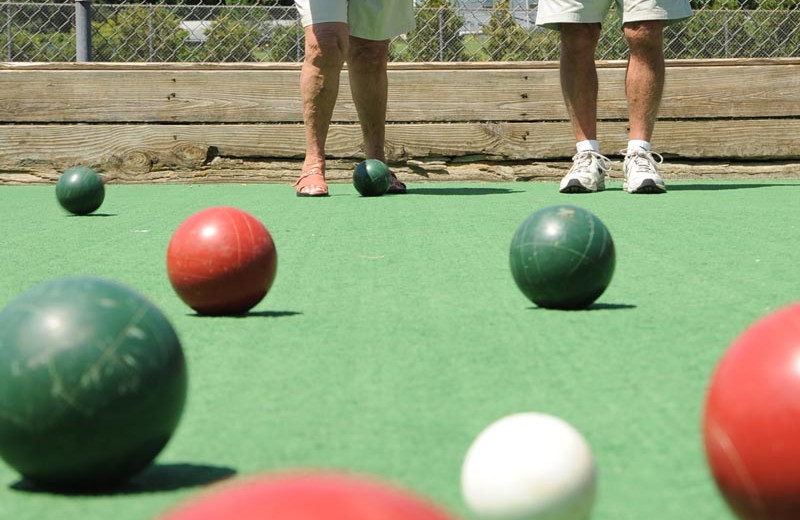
[366, 65]
[644, 79]
[325, 51]
[579, 76]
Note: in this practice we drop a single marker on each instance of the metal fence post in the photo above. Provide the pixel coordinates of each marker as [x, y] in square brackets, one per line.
[150, 36]
[727, 38]
[10, 44]
[441, 33]
[83, 30]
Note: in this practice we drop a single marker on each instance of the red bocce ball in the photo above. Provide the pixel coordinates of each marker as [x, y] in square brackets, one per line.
[751, 425]
[307, 496]
[221, 261]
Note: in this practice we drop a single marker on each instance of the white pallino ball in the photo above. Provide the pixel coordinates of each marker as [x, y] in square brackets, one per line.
[529, 466]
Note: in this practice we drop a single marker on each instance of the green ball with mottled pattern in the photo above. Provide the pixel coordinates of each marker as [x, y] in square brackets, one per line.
[80, 190]
[92, 383]
[371, 178]
[562, 257]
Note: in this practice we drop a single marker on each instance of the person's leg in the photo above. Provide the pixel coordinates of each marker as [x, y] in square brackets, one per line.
[644, 78]
[325, 52]
[366, 67]
[579, 87]
[644, 86]
[579, 76]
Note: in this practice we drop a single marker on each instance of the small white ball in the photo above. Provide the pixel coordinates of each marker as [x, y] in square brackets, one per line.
[529, 466]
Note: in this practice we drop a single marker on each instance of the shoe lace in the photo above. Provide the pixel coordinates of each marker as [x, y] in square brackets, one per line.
[643, 160]
[582, 160]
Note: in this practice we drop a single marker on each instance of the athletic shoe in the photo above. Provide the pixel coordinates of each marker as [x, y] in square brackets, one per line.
[641, 172]
[587, 174]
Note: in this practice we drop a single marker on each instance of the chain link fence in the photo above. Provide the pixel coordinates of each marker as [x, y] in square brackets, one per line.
[459, 30]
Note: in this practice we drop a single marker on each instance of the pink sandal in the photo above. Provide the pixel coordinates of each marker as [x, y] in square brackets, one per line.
[311, 184]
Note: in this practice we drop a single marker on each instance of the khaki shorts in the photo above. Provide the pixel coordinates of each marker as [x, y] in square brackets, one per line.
[551, 13]
[369, 19]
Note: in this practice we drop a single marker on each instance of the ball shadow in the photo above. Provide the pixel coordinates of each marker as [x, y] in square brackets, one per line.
[249, 314]
[461, 191]
[94, 215]
[155, 479]
[706, 186]
[592, 307]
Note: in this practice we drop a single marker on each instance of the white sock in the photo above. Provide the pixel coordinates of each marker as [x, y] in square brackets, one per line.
[590, 145]
[638, 144]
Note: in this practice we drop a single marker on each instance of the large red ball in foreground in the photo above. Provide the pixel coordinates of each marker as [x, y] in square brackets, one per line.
[307, 496]
[752, 419]
[221, 261]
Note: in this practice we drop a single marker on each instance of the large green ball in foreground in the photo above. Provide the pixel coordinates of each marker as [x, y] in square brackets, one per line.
[371, 178]
[92, 383]
[80, 190]
[562, 257]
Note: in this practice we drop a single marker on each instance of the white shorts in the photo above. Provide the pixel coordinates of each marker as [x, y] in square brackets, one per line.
[368, 19]
[551, 13]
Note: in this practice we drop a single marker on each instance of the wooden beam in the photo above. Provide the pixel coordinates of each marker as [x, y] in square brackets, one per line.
[136, 93]
[144, 148]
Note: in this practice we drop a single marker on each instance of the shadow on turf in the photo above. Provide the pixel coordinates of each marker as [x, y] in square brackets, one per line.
[157, 478]
[593, 307]
[251, 314]
[461, 191]
[95, 215]
[723, 186]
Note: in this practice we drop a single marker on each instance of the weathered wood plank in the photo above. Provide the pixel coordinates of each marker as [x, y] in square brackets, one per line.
[145, 148]
[437, 94]
[416, 65]
[439, 171]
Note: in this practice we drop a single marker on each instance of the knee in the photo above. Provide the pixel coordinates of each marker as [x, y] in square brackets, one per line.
[326, 47]
[579, 38]
[644, 36]
[368, 56]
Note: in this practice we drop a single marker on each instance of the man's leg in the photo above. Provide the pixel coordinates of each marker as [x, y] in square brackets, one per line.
[644, 86]
[579, 87]
[644, 78]
[579, 76]
[325, 52]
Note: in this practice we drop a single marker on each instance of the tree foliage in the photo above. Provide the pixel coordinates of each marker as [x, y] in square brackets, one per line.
[139, 33]
[505, 39]
[437, 35]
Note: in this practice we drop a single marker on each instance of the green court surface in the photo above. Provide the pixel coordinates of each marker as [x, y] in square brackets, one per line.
[394, 333]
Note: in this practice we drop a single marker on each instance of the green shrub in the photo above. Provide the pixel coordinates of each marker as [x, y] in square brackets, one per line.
[232, 38]
[285, 43]
[437, 35]
[141, 33]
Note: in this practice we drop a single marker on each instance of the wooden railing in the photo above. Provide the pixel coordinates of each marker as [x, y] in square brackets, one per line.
[136, 119]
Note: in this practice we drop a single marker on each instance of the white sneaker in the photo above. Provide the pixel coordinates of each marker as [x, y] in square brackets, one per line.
[641, 172]
[587, 174]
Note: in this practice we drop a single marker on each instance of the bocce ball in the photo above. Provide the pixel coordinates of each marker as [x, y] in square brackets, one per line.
[562, 257]
[306, 496]
[529, 466]
[371, 178]
[751, 423]
[92, 383]
[221, 261]
[80, 190]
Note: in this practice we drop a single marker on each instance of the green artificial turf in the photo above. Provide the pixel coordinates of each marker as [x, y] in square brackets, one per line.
[394, 333]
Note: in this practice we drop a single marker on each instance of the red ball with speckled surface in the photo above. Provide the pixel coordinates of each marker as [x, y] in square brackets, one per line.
[751, 426]
[221, 261]
[307, 496]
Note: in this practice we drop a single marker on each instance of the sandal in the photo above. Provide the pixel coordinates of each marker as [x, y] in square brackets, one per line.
[311, 184]
[396, 187]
